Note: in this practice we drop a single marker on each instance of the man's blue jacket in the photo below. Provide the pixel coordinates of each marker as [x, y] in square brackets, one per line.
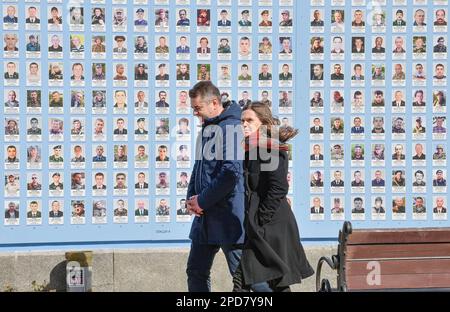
[219, 181]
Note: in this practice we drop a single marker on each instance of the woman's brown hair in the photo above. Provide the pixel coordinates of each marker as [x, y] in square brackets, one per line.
[263, 112]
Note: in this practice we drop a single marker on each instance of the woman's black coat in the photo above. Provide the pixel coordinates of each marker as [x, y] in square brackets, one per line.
[272, 250]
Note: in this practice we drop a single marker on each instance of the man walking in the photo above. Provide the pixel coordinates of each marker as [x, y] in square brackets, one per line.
[216, 189]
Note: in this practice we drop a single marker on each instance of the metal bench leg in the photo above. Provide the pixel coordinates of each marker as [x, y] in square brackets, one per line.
[324, 285]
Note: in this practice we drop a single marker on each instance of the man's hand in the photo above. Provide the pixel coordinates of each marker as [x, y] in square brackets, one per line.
[193, 207]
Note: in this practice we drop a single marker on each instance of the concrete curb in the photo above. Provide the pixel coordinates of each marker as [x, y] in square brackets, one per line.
[155, 270]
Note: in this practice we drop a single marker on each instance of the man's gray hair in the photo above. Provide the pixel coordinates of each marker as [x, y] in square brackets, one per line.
[206, 90]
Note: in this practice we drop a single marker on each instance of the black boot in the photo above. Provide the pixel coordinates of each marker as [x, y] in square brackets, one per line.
[238, 281]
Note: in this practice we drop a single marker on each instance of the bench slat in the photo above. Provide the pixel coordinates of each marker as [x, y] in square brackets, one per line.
[401, 281]
[391, 267]
[397, 251]
[389, 236]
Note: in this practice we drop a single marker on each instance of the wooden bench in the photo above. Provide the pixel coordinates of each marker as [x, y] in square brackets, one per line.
[389, 259]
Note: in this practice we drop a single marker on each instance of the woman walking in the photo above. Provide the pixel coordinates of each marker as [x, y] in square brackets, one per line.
[272, 251]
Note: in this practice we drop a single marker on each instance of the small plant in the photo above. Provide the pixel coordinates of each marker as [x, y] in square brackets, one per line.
[39, 287]
[9, 288]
